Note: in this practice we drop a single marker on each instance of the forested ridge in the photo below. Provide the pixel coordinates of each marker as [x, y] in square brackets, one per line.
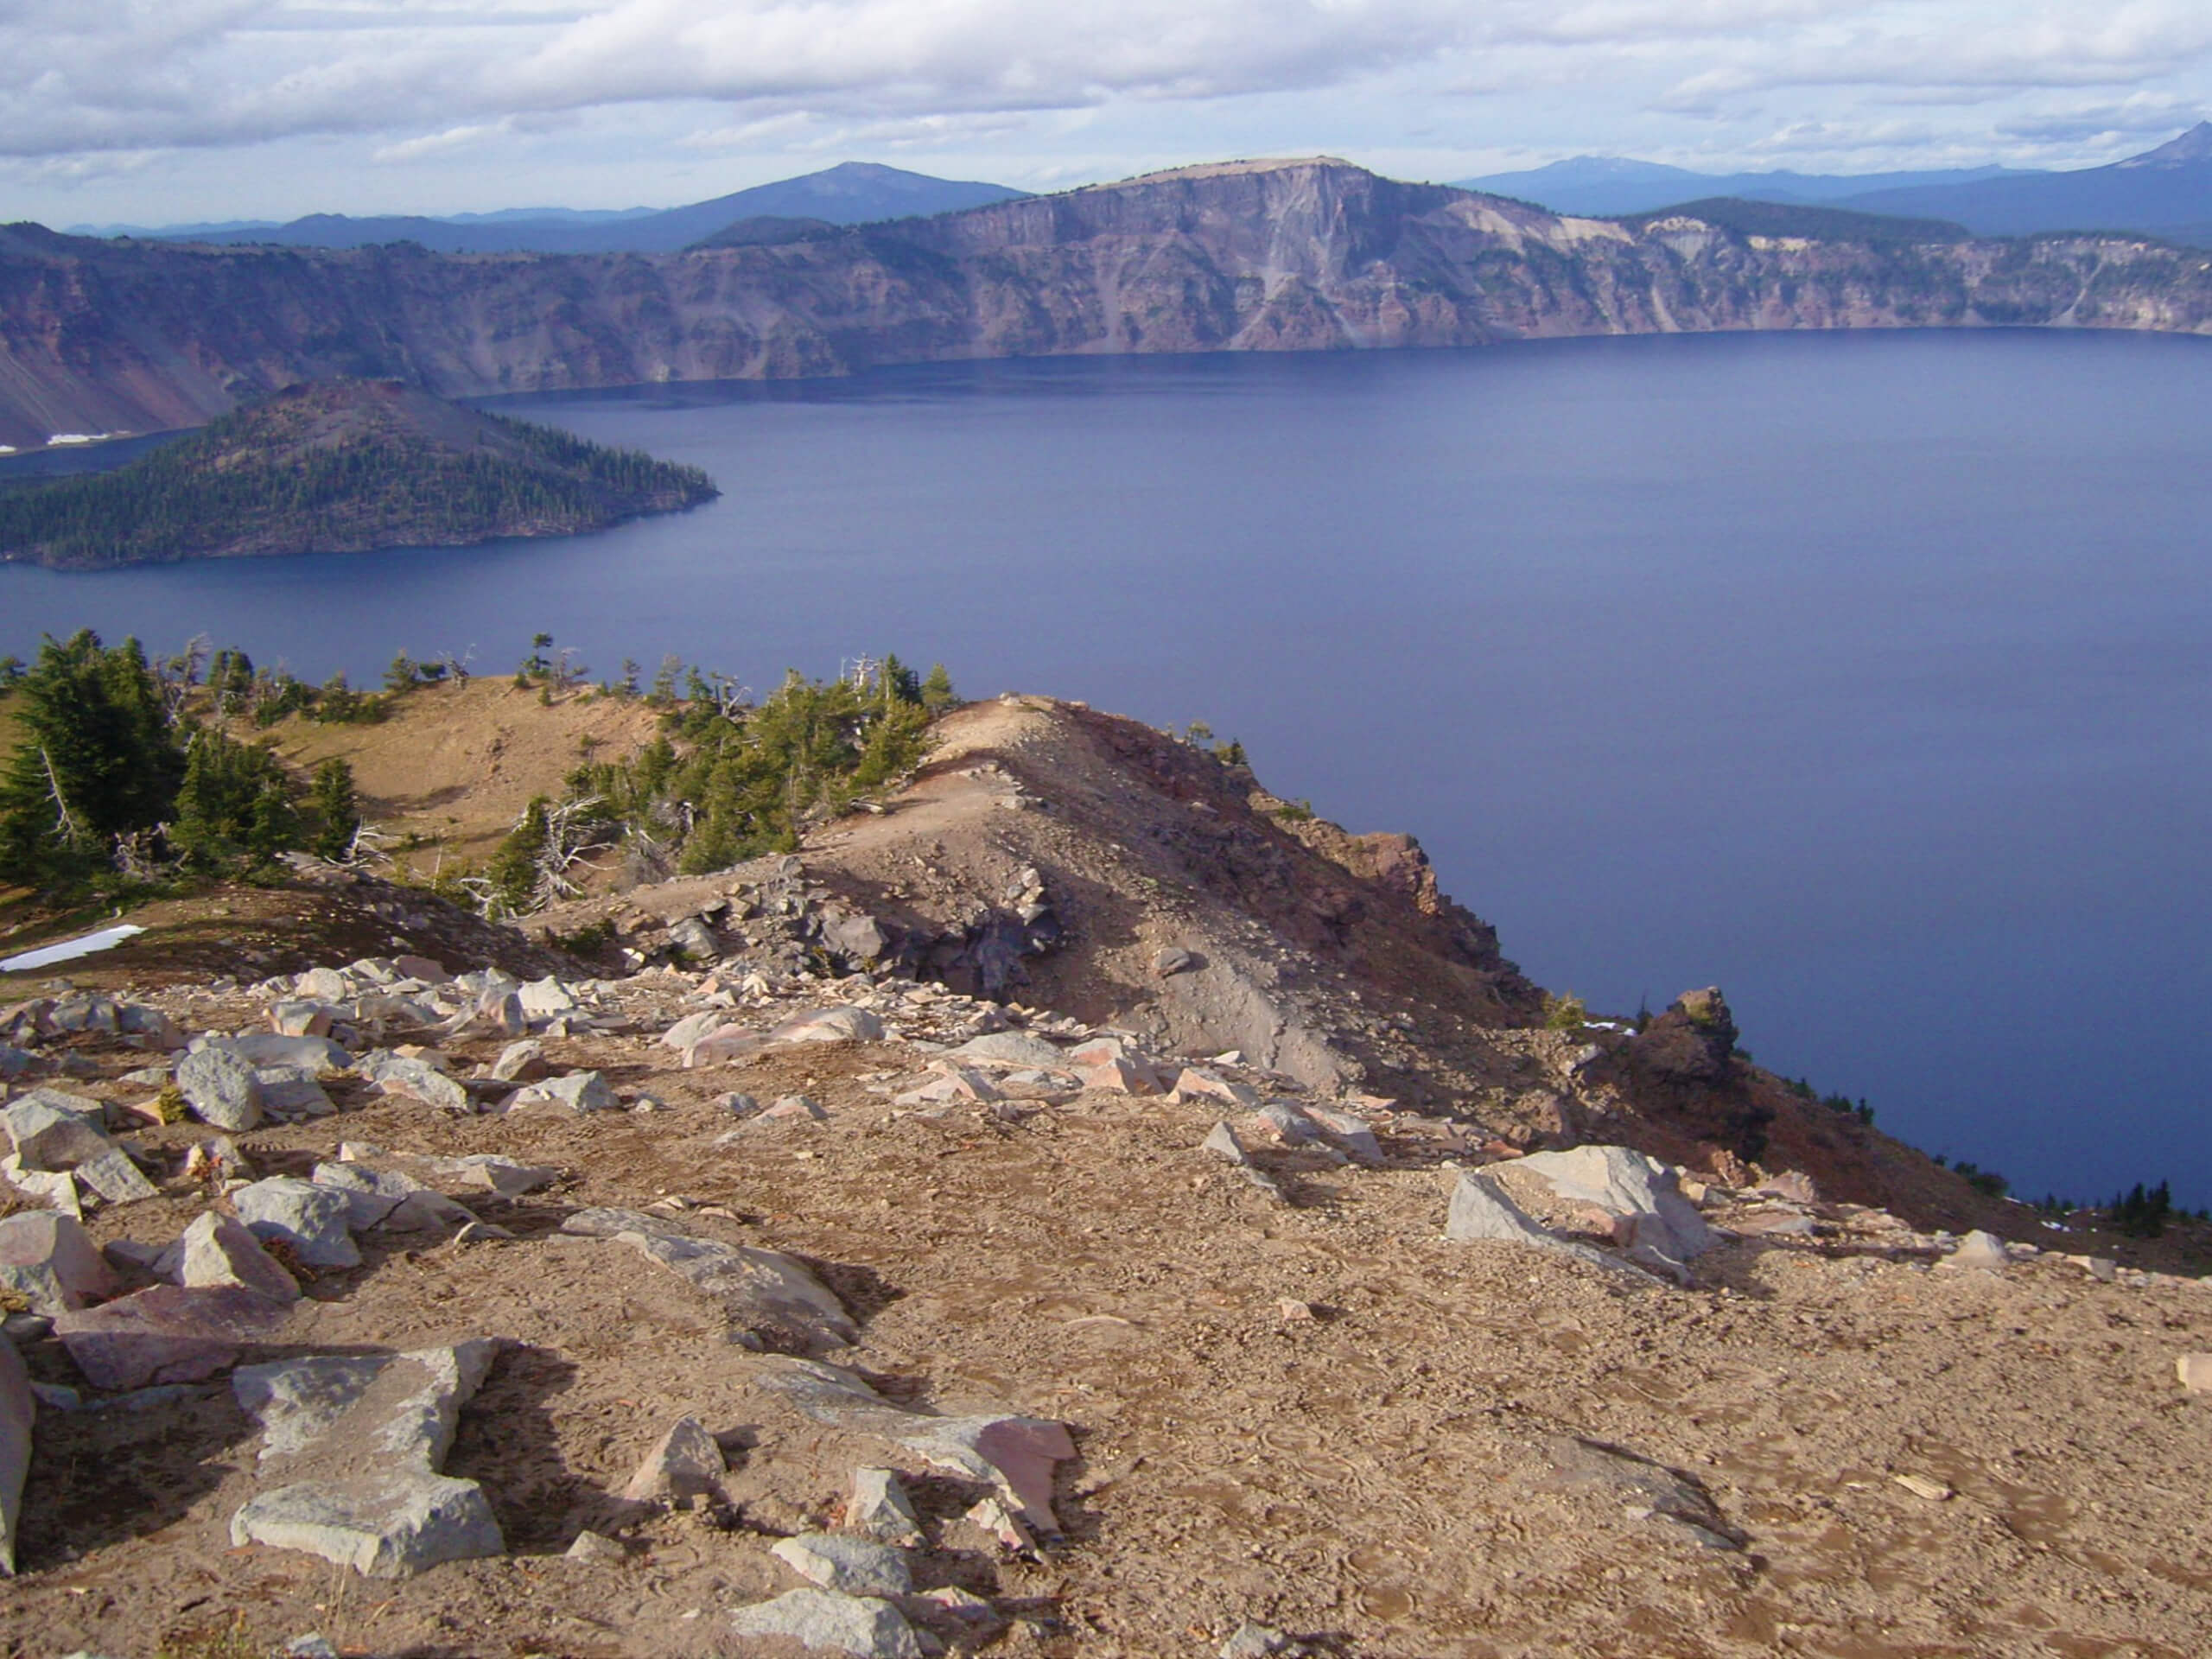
[340, 467]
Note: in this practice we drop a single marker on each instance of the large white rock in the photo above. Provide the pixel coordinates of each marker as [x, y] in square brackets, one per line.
[219, 1251]
[860, 1625]
[358, 1439]
[1641, 1191]
[219, 1085]
[853, 1566]
[50, 1130]
[51, 1260]
[314, 1220]
[686, 1463]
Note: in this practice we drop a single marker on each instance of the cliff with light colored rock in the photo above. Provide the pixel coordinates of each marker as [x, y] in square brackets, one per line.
[102, 336]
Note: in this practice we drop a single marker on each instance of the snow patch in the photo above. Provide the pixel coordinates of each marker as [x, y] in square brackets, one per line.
[69, 950]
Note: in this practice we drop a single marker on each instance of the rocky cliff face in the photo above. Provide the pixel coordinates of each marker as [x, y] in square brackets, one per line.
[1289, 256]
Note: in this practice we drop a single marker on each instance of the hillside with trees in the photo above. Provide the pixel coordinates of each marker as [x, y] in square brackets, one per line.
[340, 467]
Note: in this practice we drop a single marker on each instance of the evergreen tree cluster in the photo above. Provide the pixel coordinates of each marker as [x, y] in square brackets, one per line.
[725, 780]
[239, 486]
[109, 777]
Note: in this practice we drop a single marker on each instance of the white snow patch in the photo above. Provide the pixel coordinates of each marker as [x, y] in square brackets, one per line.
[70, 950]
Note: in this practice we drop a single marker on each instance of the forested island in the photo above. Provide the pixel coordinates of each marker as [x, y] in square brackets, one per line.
[340, 467]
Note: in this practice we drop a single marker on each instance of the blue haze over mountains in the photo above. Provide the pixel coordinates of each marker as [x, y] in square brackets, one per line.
[852, 193]
[2166, 192]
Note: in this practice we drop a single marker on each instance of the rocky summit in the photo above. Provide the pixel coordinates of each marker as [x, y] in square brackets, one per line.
[1082, 1206]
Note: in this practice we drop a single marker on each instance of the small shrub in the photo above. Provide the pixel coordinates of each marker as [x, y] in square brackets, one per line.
[1566, 1012]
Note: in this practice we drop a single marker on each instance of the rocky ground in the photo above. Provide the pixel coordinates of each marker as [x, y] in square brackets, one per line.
[747, 1288]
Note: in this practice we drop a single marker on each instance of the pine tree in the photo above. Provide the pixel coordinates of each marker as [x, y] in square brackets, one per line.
[937, 690]
[337, 808]
[234, 807]
[96, 760]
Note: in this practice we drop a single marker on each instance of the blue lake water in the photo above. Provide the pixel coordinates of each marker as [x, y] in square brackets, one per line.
[1866, 675]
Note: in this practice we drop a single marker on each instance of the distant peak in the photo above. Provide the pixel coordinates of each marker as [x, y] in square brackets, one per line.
[2193, 146]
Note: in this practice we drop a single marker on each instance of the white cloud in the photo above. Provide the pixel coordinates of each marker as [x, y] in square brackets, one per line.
[402, 95]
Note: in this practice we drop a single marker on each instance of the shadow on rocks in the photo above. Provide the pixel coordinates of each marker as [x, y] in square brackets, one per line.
[131, 1465]
[507, 1444]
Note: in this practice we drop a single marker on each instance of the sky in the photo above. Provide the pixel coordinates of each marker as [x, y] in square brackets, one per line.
[162, 112]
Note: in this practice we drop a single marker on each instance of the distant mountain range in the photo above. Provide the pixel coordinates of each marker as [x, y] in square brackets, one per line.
[853, 193]
[2166, 192]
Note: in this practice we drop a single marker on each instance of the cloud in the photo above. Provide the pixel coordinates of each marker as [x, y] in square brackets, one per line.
[416, 79]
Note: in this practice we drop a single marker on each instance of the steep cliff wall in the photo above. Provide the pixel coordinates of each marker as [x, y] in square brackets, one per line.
[99, 336]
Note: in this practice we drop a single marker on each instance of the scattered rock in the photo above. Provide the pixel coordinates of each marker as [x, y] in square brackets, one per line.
[1355, 1135]
[1255, 1641]
[1221, 1142]
[1481, 1209]
[1014, 1454]
[862, 1626]
[1920, 1486]
[845, 1024]
[1016, 1049]
[1193, 1084]
[1640, 1192]
[1172, 961]
[312, 1219]
[50, 1130]
[114, 1179]
[579, 1091]
[51, 1260]
[880, 1508]
[360, 1438]
[519, 1062]
[684, 1465]
[1985, 1251]
[2195, 1372]
[168, 1334]
[763, 1292]
[991, 1518]
[853, 1566]
[218, 1251]
[595, 1548]
[219, 1085]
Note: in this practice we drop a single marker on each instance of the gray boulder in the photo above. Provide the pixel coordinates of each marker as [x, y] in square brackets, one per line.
[519, 1062]
[320, 1056]
[1643, 1193]
[881, 1510]
[219, 1085]
[579, 1091]
[409, 1075]
[1482, 1211]
[292, 1092]
[50, 1259]
[685, 1464]
[112, 1178]
[50, 1130]
[763, 1292]
[844, 1025]
[864, 1626]
[853, 1566]
[1012, 1048]
[1979, 1250]
[168, 1334]
[358, 1439]
[312, 1219]
[218, 1251]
